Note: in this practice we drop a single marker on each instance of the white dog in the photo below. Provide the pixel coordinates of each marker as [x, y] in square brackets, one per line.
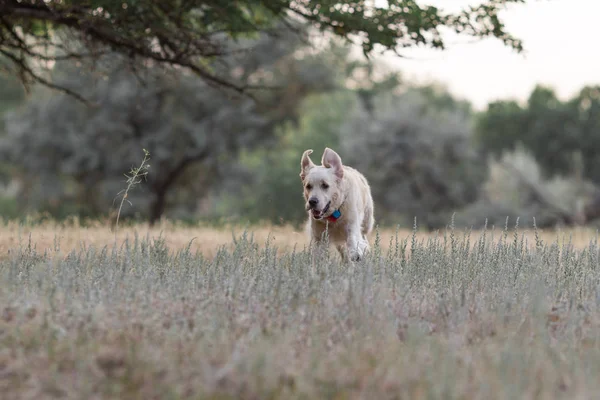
[338, 199]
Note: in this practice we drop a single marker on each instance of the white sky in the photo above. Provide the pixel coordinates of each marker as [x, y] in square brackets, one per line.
[562, 50]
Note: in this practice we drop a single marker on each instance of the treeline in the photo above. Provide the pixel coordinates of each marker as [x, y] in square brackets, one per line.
[216, 156]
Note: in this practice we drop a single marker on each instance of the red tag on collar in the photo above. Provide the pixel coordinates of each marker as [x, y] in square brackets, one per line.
[334, 216]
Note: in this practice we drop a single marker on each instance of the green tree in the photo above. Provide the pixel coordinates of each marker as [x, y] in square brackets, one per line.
[556, 133]
[585, 109]
[192, 130]
[11, 94]
[500, 127]
[58, 142]
[194, 34]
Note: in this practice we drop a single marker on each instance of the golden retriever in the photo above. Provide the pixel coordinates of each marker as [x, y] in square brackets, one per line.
[338, 200]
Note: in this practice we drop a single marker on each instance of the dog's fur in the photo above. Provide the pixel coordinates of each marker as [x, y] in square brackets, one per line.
[333, 186]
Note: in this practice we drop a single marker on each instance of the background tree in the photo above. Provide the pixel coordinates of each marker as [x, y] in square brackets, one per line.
[195, 34]
[585, 109]
[416, 150]
[264, 185]
[545, 162]
[556, 133]
[516, 187]
[60, 142]
[11, 95]
[413, 143]
[67, 151]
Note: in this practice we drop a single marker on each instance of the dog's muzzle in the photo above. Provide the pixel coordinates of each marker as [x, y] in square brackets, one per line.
[319, 214]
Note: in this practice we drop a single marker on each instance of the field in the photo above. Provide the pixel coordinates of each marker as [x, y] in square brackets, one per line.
[176, 312]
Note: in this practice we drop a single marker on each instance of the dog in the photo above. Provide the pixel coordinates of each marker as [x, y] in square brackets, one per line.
[338, 200]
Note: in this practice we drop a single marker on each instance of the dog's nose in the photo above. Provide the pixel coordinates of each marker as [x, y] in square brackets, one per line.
[313, 201]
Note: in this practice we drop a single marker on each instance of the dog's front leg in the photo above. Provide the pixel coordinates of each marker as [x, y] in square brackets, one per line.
[319, 236]
[363, 244]
[343, 250]
[356, 248]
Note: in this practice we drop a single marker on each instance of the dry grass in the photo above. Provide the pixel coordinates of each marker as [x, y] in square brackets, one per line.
[207, 240]
[450, 317]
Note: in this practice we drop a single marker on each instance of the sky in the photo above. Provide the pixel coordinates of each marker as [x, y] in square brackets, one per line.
[561, 51]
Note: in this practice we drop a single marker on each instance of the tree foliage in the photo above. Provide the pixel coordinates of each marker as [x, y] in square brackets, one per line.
[11, 94]
[560, 135]
[416, 150]
[68, 151]
[58, 141]
[265, 184]
[196, 34]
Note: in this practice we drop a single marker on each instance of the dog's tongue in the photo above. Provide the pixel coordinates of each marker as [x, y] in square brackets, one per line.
[316, 213]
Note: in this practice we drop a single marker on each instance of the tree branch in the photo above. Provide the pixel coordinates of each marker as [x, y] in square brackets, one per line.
[37, 78]
[188, 36]
[180, 167]
[106, 37]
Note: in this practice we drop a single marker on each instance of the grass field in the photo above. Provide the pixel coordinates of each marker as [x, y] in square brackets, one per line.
[177, 312]
[65, 237]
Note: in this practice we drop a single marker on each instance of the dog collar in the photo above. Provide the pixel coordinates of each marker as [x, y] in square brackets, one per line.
[334, 216]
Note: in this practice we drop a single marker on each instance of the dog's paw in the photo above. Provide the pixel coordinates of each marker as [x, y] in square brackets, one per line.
[356, 255]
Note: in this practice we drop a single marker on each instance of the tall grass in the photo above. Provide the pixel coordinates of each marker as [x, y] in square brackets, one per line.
[436, 318]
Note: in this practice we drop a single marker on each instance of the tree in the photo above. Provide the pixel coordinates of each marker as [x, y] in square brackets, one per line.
[259, 191]
[182, 123]
[562, 137]
[585, 109]
[556, 133]
[516, 187]
[500, 127]
[416, 150]
[195, 34]
[11, 95]
[193, 131]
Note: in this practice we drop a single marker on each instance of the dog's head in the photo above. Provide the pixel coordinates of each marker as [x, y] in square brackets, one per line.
[322, 184]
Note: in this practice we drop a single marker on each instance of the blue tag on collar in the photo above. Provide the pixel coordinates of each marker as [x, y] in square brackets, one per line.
[334, 216]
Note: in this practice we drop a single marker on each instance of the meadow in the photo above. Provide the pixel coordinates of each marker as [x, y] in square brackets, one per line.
[180, 312]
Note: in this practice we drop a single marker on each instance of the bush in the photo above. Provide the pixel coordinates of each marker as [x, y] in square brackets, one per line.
[517, 188]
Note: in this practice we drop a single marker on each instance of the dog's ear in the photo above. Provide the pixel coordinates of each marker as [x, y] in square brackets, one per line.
[331, 159]
[306, 164]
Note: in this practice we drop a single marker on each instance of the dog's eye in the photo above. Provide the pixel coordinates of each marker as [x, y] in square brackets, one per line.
[308, 187]
[325, 186]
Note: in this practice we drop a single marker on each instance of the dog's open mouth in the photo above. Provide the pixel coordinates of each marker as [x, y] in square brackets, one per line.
[319, 214]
